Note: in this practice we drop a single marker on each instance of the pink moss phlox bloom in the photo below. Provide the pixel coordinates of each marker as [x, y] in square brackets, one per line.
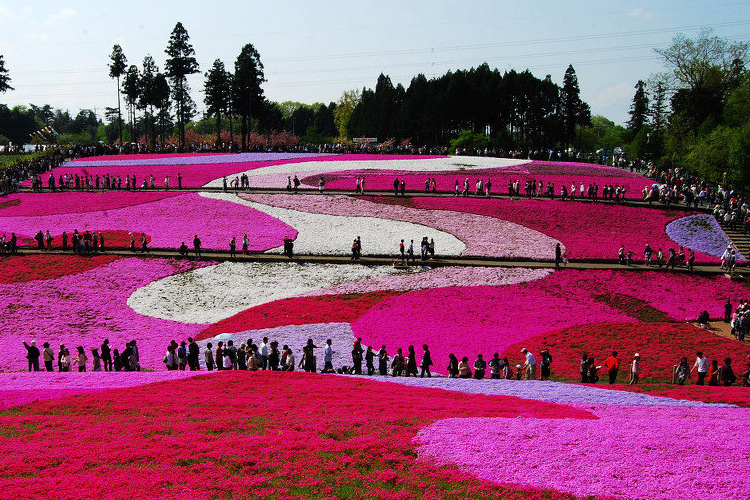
[500, 177]
[19, 388]
[682, 296]
[38, 204]
[441, 277]
[588, 230]
[195, 171]
[169, 222]
[553, 392]
[511, 241]
[479, 319]
[631, 452]
[269, 432]
[84, 309]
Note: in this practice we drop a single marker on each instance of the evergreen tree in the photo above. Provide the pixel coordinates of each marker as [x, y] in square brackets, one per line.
[117, 68]
[179, 65]
[131, 87]
[575, 112]
[161, 102]
[217, 88]
[147, 95]
[4, 78]
[638, 109]
[247, 94]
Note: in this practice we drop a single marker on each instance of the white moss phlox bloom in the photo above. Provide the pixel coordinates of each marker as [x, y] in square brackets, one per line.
[333, 234]
[452, 164]
[218, 292]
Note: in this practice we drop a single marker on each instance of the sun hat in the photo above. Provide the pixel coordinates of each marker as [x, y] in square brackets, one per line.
[637, 355]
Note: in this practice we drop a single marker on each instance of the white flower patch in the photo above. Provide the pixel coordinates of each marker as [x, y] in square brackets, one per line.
[333, 234]
[295, 336]
[455, 163]
[218, 292]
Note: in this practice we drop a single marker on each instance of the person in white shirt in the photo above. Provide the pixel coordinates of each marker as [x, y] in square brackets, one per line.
[529, 365]
[328, 358]
[701, 363]
[264, 354]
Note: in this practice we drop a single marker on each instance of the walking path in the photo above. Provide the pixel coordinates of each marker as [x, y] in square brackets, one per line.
[387, 260]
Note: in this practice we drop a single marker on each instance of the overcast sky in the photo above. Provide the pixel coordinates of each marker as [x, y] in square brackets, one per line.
[57, 52]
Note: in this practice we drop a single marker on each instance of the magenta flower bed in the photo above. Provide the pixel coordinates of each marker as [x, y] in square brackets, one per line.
[471, 320]
[630, 452]
[36, 204]
[588, 230]
[559, 173]
[84, 309]
[169, 222]
[193, 174]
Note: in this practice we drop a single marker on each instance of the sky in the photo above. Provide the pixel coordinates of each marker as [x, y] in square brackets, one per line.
[57, 52]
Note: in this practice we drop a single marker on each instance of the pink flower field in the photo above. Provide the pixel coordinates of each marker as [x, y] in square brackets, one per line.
[588, 231]
[161, 434]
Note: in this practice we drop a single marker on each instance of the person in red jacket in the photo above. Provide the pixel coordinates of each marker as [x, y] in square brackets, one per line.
[612, 364]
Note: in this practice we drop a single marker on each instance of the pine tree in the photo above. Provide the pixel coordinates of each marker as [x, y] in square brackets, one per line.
[117, 68]
[575, 112]
[181, 62]
[132, 89]
[217, 88]
[638, 109]
[247, 94]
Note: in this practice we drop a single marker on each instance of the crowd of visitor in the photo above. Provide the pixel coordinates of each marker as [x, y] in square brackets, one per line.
[103, 358]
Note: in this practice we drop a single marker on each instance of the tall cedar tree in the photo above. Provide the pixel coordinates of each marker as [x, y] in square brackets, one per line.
[117, 68]
[575, 112]
[179, 65]
[148, 98]
[638, 109]
[247, 94]
[132, 89]
[218, 89]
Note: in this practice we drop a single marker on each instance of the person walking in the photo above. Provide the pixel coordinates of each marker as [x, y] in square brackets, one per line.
[193, 355]
[383, 361]
[208, 356]
[233, 248]
[328, 357]
[683, 370]
[411, 362]
[426, 362]
[701, 364]
[558, 255]
[480, 367]
[612, 364]
[452, 364]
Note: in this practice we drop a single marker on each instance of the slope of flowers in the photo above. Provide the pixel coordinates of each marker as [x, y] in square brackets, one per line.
[700, 232]
[268, 433]
[21, 269]
[631, 452]
[85, 308]
[195, 170]
[559, 173]
[218, 292]
[169, 221]
[661, 345]
[277, 175]
[40, 204]
[333, 235]
[516, 241]
[588, 230]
